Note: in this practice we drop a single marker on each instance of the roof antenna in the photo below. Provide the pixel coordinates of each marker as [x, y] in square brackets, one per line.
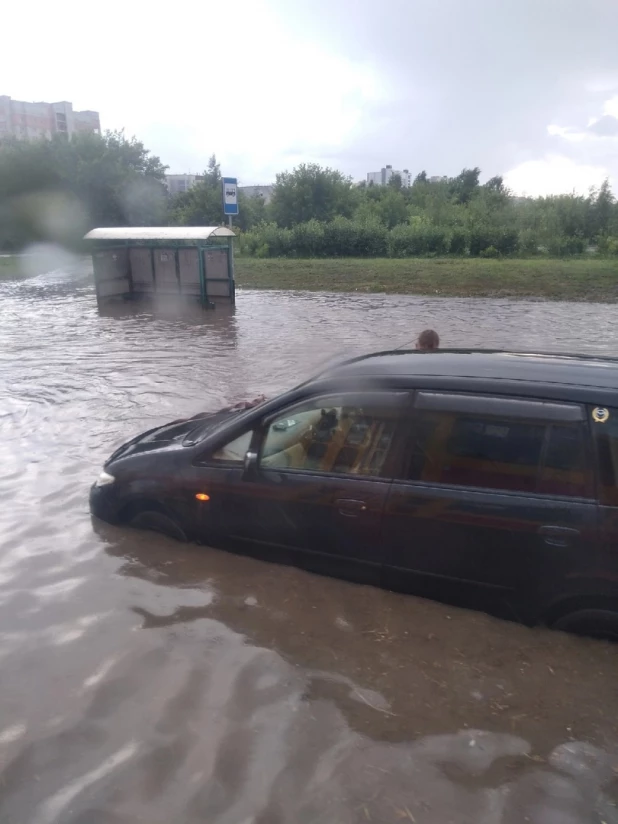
[404, 345]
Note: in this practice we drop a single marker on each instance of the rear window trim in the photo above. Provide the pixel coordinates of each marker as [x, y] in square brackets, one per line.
[514, 408]
[397, 399]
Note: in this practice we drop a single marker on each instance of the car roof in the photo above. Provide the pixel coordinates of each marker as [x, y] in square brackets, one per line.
[530, 367]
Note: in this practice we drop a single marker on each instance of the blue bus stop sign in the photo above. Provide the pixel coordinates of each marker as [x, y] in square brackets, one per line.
[230, 196]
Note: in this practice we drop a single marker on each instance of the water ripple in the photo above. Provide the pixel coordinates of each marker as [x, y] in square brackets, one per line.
[143, 680]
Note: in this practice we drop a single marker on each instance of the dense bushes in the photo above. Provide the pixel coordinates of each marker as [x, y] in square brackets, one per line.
[343, 237]
[504, 241]
[418, 239]
[340, 237]
[349, 238]
[608, 246]
[562, 245]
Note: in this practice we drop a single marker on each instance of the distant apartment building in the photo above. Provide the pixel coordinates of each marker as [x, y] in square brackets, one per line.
[29, 121]
[437, 178]
[264, 192]
[382, 177]
[177, 184]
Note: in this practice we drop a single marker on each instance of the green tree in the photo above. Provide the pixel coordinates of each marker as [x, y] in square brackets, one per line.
[212, 175]
[496, 192]
[202, 205]
[251, 211]
[57, 189]
[119, 180]
[392, 208]
[602, 210]
[435, 202]
[465, 184]
[312, 192]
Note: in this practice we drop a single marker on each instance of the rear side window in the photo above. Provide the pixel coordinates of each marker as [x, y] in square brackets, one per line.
[564, 469]
[492, 442]
[498, 452]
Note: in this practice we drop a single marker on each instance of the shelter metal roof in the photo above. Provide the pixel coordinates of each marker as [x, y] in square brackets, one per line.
[159, 233]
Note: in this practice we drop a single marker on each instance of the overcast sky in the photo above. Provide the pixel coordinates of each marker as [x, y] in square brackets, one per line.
[523, 88]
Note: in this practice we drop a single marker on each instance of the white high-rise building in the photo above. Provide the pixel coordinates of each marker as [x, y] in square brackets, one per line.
[178, 184]
[382, 177]
[29, 121]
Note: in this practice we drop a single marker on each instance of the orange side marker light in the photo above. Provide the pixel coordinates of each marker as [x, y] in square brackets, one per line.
[202, 496]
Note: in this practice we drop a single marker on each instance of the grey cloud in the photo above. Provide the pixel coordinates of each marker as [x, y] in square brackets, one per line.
[466, 83]
[606, 126]
[475, 82]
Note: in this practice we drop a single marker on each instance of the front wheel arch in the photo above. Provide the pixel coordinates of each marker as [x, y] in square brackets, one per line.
[149, 514]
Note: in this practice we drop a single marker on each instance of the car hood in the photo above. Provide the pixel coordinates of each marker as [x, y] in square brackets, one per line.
[186, 432]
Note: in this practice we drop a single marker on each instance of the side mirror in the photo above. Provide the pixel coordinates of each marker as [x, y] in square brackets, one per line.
[250, 466]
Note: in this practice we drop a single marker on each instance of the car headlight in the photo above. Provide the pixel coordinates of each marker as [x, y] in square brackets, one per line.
[104, 479]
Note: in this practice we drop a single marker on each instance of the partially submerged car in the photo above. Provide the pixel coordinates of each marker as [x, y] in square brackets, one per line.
[486, 479]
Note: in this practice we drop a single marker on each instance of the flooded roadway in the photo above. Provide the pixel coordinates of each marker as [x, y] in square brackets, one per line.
[146, 681]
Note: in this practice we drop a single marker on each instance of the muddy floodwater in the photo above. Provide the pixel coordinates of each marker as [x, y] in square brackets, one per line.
[146, 681]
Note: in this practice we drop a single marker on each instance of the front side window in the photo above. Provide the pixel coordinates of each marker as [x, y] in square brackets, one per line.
[501, 453]
[332, 435]
[234, 451]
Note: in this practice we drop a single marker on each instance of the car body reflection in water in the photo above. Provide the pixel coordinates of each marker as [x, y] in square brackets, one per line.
[361, 711]
[143, 680]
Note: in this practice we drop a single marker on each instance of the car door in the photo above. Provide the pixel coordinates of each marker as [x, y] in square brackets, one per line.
[317, 492]
[495, 503]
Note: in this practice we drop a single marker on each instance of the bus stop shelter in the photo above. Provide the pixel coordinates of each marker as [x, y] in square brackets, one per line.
[196, 262]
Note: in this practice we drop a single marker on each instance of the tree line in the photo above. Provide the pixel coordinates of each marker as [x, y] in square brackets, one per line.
[55, 190]
[317, 212]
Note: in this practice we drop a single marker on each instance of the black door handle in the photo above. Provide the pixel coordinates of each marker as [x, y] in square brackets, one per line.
[558, 535]
[350, 507]
[488, 508]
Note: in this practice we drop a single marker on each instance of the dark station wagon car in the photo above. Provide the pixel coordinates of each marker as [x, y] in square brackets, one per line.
[485, 479]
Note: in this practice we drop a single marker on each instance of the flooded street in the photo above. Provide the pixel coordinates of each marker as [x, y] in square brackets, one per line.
[145, 681]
